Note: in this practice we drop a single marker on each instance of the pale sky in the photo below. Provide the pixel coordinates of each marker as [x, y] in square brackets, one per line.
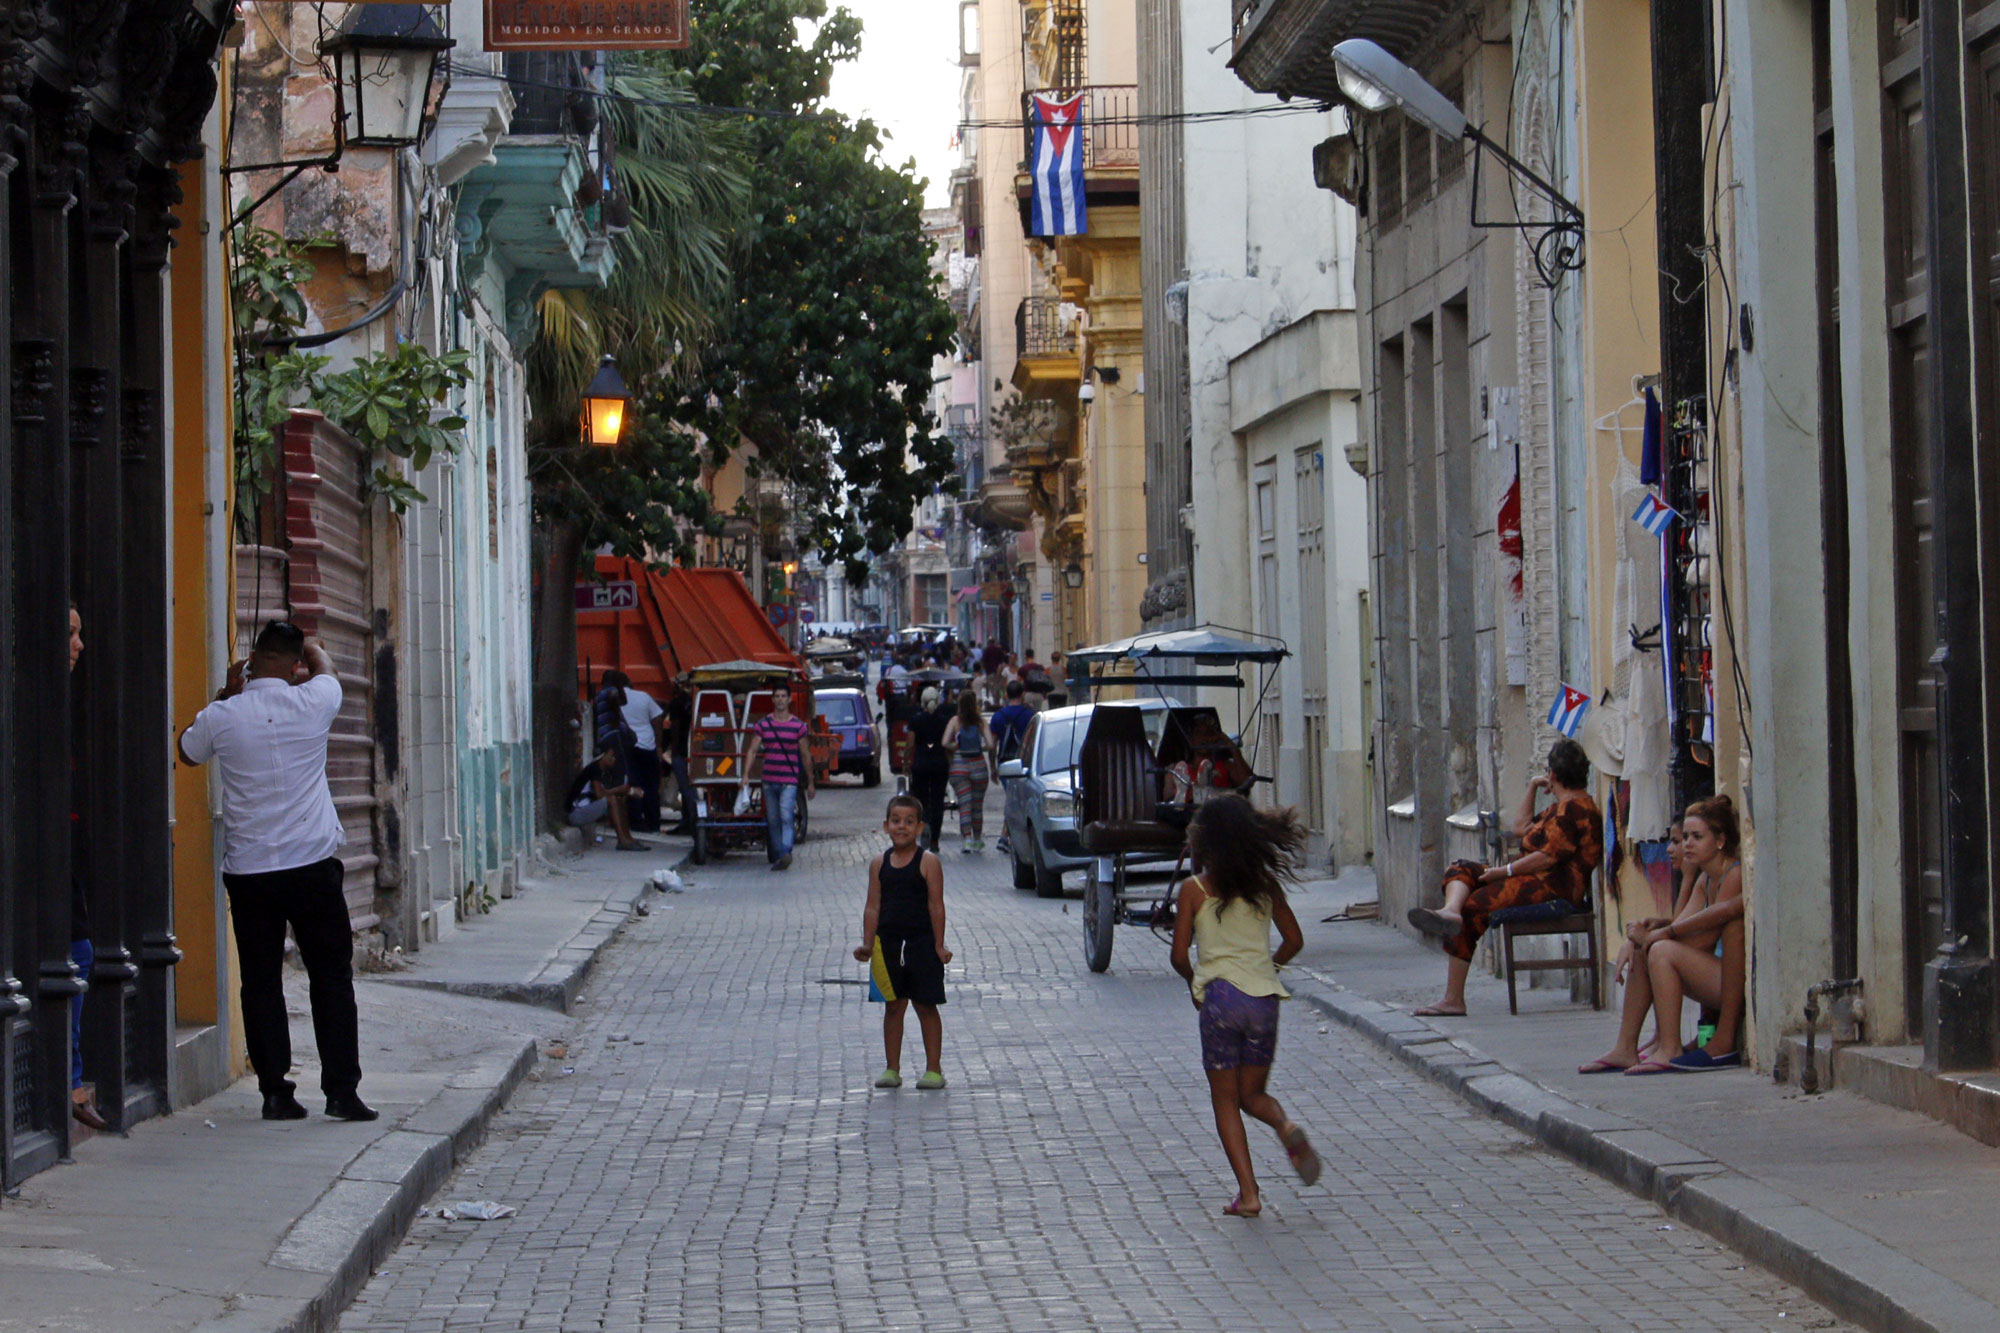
[906, 81]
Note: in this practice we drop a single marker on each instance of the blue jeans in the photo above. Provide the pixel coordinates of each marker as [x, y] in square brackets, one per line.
[781, 813]
[83, 956]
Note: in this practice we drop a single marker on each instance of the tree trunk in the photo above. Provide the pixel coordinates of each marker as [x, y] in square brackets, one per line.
[558, 736]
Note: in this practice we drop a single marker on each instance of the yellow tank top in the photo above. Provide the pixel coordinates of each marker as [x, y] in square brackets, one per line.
[1234, 946]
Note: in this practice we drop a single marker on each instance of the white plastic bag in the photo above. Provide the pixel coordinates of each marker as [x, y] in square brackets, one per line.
[742, 800]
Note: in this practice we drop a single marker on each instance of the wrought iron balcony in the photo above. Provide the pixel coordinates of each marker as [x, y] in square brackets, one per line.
[553, 93]
[1041, 330]
[1110, 124]
[1285, 46]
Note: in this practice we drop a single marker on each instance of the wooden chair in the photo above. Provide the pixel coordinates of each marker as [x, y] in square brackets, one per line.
[1556, 918]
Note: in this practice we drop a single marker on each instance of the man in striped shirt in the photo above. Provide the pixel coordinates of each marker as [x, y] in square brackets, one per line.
[779, 741]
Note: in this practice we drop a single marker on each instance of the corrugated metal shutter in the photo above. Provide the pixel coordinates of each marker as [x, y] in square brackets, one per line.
[327, 532]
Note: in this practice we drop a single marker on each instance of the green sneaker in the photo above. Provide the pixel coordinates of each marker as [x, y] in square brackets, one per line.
[888, 1078]
[931, 1081]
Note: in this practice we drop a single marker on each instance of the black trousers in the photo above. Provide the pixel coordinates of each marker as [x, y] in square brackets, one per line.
[646, 773]
[928, 786]
[309, 900]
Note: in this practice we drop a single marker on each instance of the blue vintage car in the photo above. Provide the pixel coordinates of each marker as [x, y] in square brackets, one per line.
[849, 716]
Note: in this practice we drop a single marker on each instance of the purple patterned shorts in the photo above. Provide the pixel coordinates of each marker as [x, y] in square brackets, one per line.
[1237, 1030]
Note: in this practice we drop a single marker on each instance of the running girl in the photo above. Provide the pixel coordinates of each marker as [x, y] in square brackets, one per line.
[1227, 912]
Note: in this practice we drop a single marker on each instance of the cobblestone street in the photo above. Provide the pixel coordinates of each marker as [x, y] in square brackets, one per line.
[718, 1158]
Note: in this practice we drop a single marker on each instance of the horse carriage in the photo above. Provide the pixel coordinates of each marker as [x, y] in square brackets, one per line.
[728, 700]
[1135, 799]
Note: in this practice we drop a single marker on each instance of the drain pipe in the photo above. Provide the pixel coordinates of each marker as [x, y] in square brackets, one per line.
[1809, 1076]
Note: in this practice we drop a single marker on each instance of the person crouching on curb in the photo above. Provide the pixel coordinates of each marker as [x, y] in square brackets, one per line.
[1227, 911]
[902, 935]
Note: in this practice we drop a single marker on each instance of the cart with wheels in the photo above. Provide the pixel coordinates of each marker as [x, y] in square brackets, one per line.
[1135, 801]
[728, 700]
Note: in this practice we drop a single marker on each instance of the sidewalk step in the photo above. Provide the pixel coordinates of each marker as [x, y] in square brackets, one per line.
[1853, 1274]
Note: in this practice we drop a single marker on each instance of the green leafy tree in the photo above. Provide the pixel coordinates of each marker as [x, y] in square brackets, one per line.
[825, 361]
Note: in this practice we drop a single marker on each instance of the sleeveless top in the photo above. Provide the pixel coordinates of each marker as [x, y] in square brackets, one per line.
[971, 742]
[1234, 946]
[905, 908]
[927, 739]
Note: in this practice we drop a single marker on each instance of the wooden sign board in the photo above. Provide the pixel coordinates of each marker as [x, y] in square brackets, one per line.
[586, 25]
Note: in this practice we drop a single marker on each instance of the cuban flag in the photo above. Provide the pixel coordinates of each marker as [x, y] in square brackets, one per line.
[1654, 516]
[1566, 713]
[1058, 208]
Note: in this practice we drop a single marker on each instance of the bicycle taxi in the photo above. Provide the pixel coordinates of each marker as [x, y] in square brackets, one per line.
[728, 699]
[1136, 799]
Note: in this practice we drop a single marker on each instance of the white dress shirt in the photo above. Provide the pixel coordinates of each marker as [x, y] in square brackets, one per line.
[269, 744]
[640, 710]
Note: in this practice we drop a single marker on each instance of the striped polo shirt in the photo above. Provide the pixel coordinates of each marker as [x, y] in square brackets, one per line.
[781, 749]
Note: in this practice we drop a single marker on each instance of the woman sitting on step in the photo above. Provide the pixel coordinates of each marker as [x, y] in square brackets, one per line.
[1562, 846]
[1699, 953]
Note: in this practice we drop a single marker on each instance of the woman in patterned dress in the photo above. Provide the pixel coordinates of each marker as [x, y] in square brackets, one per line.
[1561, 846]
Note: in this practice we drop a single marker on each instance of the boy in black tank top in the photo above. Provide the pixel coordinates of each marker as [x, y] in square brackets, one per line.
[902, 936]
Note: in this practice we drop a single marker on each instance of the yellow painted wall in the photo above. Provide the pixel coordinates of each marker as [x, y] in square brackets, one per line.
[1621, 321]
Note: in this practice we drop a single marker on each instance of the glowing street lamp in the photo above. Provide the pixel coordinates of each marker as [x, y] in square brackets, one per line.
[604, 404]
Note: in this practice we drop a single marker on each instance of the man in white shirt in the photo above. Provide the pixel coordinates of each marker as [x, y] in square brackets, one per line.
[643, 714]
[281, 834]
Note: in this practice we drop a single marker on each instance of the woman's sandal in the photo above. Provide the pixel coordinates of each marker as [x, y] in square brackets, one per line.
[1436, 1011]
[1235, 1208]
[1304, 1160]
[1648, 1067]
[1601, 1067]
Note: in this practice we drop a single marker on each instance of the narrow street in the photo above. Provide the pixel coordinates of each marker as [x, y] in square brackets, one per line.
[718, 1158]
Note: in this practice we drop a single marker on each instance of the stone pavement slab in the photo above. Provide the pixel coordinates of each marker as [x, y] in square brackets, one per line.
[720, 1160]
[1842, 1196]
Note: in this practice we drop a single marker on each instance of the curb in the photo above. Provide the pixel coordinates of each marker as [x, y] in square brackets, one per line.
[1854, 1275]
[323, 1261]
[556, 986]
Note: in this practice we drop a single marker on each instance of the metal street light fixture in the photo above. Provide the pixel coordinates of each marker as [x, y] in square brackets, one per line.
[1374, 80]
[1073, 575]
[604, 404]
[385, 60]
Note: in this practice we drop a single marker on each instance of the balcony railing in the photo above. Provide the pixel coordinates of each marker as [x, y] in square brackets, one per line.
[1110, 124]
[1041, 330]
[553, 93]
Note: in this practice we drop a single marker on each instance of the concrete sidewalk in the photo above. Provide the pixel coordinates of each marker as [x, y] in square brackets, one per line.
[1885, 1216]
[215, 1219]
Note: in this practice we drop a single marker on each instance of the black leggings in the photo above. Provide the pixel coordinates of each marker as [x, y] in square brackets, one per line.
[927, 785]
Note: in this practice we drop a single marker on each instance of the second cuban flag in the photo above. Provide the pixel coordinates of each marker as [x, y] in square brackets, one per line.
[1566, 713]
[1058, 208]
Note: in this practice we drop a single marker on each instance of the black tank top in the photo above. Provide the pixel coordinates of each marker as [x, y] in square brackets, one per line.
[906, 899]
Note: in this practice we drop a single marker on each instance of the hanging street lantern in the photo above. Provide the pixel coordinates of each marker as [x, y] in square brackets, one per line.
[604, 404]
[1073, 575]
[385, 59]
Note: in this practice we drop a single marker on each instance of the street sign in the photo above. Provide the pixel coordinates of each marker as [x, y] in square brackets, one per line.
[1048, 597]
[806, 616]
[616, 595]
[586, 25]
[779, 613]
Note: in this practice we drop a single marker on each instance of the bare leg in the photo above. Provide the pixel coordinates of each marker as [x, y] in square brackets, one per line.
[932, 1026]
[1222, 1092]
[1638, 999]
[1678, 970]
[1456, 891]
[1250, 1095]
[621, 822]
[1456, 970]
[1729, 1021]
[892, 1032]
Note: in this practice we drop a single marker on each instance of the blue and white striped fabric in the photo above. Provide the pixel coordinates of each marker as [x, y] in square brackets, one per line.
[1058, 207]
[1654, 516]
[1566, 713]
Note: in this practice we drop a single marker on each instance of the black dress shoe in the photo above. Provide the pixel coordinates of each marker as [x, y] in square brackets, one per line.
[349, 1108]
[283, 1106]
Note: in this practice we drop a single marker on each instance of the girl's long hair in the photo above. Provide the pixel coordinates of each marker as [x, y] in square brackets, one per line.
[1246, 854]
[968, 708]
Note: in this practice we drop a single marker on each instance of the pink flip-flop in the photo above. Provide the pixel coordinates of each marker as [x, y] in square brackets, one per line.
[1235, 1208]
[1601, 1067]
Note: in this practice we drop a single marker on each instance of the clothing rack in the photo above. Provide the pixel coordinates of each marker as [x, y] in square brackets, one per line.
[1686, 480]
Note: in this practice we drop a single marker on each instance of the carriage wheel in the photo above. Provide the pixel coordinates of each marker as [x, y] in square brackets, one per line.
[698, 855]
[1100, 917]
